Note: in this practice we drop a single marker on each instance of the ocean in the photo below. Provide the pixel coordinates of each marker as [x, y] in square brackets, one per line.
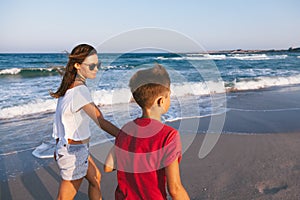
[26, 108]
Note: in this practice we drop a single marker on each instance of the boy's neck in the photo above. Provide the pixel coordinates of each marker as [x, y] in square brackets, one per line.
[152, 115]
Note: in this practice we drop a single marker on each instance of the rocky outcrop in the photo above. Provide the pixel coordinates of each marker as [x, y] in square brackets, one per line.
[294, 49]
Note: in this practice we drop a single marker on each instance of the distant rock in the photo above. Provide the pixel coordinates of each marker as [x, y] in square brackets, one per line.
[242, 51]
[294, 49]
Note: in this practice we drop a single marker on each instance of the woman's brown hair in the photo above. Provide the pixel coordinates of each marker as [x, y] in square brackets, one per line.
[78, 54]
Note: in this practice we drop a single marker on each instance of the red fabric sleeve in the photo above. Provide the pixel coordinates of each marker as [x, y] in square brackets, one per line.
[172, 150]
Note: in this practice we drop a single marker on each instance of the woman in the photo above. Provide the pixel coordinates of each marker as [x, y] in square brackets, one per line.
[74, 110]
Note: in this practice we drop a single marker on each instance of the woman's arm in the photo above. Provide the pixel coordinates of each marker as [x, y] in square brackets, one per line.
[174, 185]
[93, 112]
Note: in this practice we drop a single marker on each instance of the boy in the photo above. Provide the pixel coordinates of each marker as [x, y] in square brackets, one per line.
[148, 152]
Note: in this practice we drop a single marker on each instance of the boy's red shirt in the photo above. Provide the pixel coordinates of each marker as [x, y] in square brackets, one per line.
[144, 147]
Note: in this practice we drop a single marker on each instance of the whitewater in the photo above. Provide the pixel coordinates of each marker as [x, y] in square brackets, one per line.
[26, 79]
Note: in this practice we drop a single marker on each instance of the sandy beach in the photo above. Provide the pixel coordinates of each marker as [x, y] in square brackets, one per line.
[239, 167]
[259, 159]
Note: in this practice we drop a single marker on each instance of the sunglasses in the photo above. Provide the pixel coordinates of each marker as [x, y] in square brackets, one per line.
[93, 66]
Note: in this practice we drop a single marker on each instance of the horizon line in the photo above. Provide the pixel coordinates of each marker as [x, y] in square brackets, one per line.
[120, 52]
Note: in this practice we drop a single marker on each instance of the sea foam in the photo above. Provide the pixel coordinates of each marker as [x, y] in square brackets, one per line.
[256, 57]
[264, 82]
[11, 71]
[195, 57]
[36, 106]
[224, 57]
[32, 72]
[123, 95]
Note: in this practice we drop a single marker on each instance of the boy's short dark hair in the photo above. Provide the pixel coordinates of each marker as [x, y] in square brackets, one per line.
[146, 85]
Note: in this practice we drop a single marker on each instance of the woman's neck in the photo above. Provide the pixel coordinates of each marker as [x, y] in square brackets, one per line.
[79, 76]
[79, 80]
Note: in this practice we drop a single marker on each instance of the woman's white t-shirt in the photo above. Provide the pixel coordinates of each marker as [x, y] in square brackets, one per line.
[70, 121]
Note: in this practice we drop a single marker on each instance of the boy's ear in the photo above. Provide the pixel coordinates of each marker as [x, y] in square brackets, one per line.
[160, 101]
[77, 65]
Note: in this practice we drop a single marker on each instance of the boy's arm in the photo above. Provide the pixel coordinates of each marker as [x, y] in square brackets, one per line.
[93, 112]
[110, 162]
[175, 188]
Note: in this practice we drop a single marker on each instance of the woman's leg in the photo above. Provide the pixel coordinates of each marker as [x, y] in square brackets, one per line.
[94, 177]
[68, 189]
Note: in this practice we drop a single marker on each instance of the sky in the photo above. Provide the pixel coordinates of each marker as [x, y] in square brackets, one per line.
[57, 25]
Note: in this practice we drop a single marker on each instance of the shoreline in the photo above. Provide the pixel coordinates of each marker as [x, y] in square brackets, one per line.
[259, 159]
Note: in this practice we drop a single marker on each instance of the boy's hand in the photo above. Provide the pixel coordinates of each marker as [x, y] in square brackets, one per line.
[110, 162]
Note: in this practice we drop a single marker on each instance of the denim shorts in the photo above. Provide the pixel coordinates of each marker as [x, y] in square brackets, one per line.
[72, 160]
